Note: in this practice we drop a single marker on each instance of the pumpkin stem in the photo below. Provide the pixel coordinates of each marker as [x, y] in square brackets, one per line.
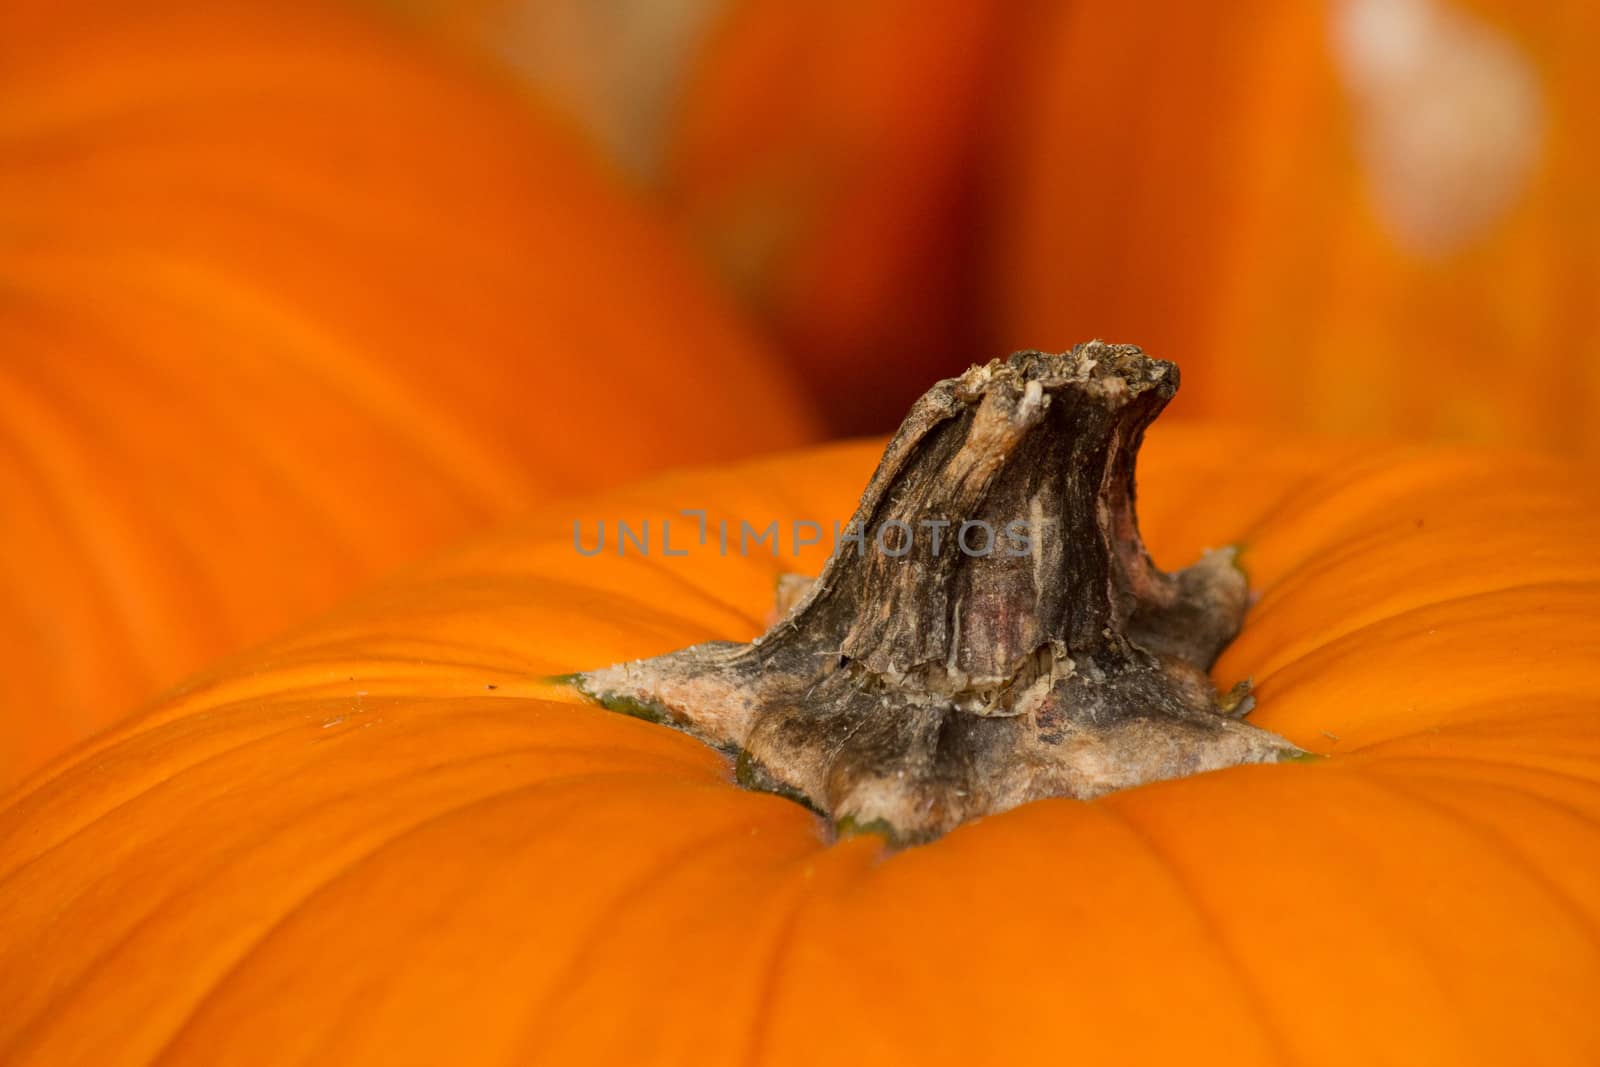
[996, 634]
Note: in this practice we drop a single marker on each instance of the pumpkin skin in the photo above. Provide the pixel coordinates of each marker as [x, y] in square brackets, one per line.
[280, 291]
[825, 155]
[822, 156]
[391, 838]
[1268, 190]
[615, 69]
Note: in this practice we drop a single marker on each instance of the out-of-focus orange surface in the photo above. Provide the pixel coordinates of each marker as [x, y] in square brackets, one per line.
[1372, 215]
[824, 154]
[286, 301]
[821, 156]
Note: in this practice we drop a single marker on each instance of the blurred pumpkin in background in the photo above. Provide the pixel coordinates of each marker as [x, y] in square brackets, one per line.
[821, 155]
[285, 301]
[1370, 215]
[1296, 199]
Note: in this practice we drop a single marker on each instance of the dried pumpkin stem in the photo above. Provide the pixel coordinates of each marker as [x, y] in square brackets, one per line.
[997, 635]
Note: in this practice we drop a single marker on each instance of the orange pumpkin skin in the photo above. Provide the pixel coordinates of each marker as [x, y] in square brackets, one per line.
[390, 839]
[825, 155]
[822, 156]
[285, 302]
[1305, 200]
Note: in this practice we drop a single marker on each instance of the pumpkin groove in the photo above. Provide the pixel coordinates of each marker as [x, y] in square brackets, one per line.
[492, 876]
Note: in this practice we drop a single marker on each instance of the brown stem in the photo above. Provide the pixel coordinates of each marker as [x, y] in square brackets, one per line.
[937, 672]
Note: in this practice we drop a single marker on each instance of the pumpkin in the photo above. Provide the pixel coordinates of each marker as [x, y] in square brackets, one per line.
[1291, 194]
[395, 837]
[826, 156]
[616, 70]
[821, 156]
[279, 292]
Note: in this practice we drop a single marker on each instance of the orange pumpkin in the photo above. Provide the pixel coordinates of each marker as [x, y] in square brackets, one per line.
[392, 838]
[286, 301]
[825, 155]
[822, 156]
[1293, 194]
